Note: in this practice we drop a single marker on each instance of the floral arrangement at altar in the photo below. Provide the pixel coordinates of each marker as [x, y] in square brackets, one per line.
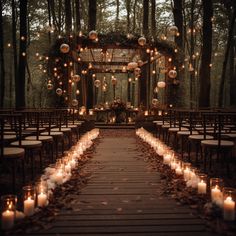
[117, 105]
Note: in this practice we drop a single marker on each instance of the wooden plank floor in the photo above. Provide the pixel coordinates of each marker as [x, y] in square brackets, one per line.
[123, 198]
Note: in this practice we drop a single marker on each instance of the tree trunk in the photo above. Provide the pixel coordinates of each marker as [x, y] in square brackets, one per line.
[225, 62]
[145, 17]
[2, 63]
[205, 70]
[134, 17]
[178, 18]
[20, 88]
[117, 12]
[77, 15]
[92, 15]
[14, 44]
[68, 17]
[128, 15]
[153, 18]
[232, 75]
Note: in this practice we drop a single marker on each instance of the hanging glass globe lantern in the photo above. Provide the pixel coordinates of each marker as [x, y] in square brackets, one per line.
[64, 48]
[161, 84]
[173, 30]
[59, 91]
[74, 102]
[132, 65]
[93, 35]
[49, 86]
[76, 78]
[142, 41]
[97, 83]
[172, 74]
[154, 101]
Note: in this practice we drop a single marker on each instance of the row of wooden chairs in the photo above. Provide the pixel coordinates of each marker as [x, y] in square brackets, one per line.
[36, 136]
[208, 131]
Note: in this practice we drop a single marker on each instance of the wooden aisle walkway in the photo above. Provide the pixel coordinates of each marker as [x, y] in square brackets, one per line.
[123, 198]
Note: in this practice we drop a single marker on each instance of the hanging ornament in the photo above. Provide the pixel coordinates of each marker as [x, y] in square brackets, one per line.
[140, 63]
[142, 41]
[161, 84]
[104, 88]
[76, 78]
[137, 71]
[154, 102]
[97, 83]
[59, 91]
[74, 102]
[114, 81]
[190, 68]
[173, 30]
[93, 35]
[156, 90]
[132, 65]
[64, 48]
[49, 86]
[172, 74]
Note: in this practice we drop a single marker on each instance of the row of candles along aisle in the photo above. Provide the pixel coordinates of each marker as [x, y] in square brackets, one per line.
[40, 194]
[221, 196]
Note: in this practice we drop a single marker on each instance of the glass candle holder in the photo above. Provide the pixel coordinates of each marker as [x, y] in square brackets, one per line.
[229, 199]
[194, 177]
[202, 184]
[216, 187]
[29, 195]
[186, 168]
[8, 210]
[42, 194]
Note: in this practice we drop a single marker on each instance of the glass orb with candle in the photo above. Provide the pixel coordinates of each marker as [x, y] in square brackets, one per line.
[229, 199]
[8, 210]
[216, 188]
[186, 170]
[202, 184]
[42, 194]
[29, 195]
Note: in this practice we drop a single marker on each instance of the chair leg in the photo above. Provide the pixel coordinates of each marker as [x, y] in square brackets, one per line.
[14, 175]
[23, 170]
[189, 151]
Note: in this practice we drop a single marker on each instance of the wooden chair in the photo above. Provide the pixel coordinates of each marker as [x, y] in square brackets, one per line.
[11, 156]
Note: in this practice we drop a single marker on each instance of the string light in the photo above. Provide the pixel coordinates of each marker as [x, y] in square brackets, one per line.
[23, 54]
[8, 45]
[169, 59]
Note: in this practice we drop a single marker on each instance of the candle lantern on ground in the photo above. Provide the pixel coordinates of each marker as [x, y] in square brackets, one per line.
[229, 198]
[42, 194]
[8, 209]
[29, 200]
[202, 184]
[216, 187]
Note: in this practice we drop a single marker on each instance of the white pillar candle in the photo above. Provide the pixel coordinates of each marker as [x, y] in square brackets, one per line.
[167, 159]
[178, 170]
[201, 187]
[7, 219]
[58, 177]
[217, 196]
[29, 207]
[42, 200]
[229, 209]
[186, 174]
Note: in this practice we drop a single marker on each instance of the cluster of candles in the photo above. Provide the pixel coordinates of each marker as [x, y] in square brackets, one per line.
[38, 195]
[223, 197]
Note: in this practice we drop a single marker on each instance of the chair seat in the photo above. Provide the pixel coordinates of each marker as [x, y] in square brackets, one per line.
[9, 137]
[40, 138]
[54, 134]
[214, 143]
[200, 137]
[13, 152]
[76, 122]
[69, 126]
[35, 129]
[202, 129]
[186, 133]
[165, 126]
[62, 130]
[176, 129]
[27, 143]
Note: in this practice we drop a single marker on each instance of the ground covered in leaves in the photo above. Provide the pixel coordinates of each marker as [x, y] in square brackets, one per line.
[174, 186]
